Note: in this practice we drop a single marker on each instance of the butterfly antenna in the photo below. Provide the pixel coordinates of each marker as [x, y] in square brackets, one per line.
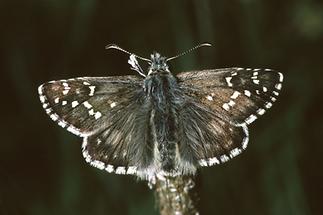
[114, 46]
[188, 51]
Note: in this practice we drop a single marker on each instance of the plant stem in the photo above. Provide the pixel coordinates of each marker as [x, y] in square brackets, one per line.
[174, 195]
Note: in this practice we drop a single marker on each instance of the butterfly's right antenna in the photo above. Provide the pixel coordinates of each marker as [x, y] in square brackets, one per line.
[114, 46]
[188, 51]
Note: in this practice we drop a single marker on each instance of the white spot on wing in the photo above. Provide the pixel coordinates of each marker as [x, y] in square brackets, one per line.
[91, 112]
[203, 162]
[62, 124]
[56, 100]
[97, 115]
[228, 79]
[281, 77]
[54, 116]
[264, 89]
[246, 138]
[75, 103]
[92, 88]
[273, 99]
[278, 86]
[268, 105]
[234, 152]
[255, 81]
[247, 93]
[231, 103]
[86, 156]
[226, 107]
[109, 168]
[74, 130]
[213, 161]
[49, 110]
[40, 90]
[261, 111]
[87, 105]
[235, 95]
[132, 170]
[98, 164]
[64, 103]
[210, 98]
[121, 170]
[86, 83]
[250, 119]
[42, 98]
[65, 91]
[224, 158]
[113, 104]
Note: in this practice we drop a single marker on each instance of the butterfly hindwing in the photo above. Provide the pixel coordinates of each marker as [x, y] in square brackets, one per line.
[124, 143]
[206, 138]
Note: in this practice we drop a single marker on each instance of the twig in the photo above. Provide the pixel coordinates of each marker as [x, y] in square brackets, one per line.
[174, 195]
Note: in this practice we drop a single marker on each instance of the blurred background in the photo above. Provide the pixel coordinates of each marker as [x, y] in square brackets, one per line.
[42, 170]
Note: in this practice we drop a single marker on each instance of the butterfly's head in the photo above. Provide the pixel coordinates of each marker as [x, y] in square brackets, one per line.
[158, 64]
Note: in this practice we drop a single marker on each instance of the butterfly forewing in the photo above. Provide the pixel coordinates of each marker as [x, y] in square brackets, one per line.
[81, 105]
[235, 94]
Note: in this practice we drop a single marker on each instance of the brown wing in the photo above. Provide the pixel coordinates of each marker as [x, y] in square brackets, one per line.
[222, 103]
[236, 94]
[82, 104]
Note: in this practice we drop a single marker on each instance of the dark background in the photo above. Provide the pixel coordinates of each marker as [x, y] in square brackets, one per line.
[42, 170]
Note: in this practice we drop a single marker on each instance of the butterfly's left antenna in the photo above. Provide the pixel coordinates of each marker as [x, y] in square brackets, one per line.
[188, 51]
[114, 46]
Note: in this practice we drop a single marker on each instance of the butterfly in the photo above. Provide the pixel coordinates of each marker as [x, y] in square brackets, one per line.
[158, 123]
